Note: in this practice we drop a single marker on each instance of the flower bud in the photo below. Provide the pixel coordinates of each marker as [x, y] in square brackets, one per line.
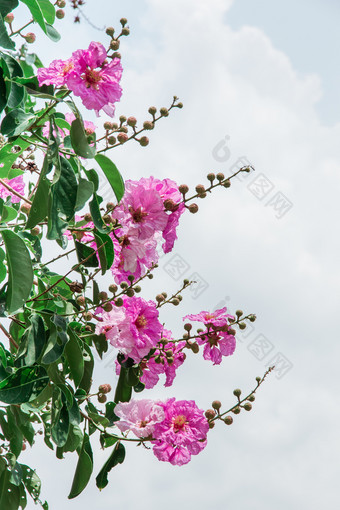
[112, 140]
[107, 307]
[30, 37]
[114, 44]
[238, 313]
[188, 327]
[125, 31]
[237, 392]
[138, 288]
[170, 360]
[164, 111]
[220, 176]
[258, 379]
[88, 316]
[195, 347]
[216, 405]
[122, 137]
[159, 298]
[200, 188]
[183, 188]
[211, 177]
[251, 398]
[152, 110]
[237, 410]
[113, 288]
[175, 302]
[247, 406]
[119, 302]
[123, 21]
[193, 208]
[144, 141]
[210, 414]
[24, 446]
[104, 388]
[103, 295]
[131, 121]
[61, 3]
[148, 125]
[102, 398]
[179, 105]
[164, 294]
[35, 231]
[60, 14]
[9, 18]
[252, 318]
[110, 31]
[108, 126]
[130, 292]
[242, 325]
[232, 331]
[158, 360]
[80, 300]
[228, 420]
[211, 425]
[227, 184]
[124, 285]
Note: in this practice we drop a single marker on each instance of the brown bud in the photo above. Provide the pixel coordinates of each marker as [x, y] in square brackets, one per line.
[108, 126]
[104, 388]
[87, 217]
[102, 398]
[130, 292]
[187, 327]
[112, 140]
[175, 302]
[75, 286]
[124, 285]
[131, 121]
[160, 298]
[119, 302]
[88, 316]
[152, 110]
[80, 300]
[110, 31]
[200, 188]
[144, 141]
[60, 14]
[195, 347]
[122, 137]
[247, 406]
[148, 125]
[138, 288]
[35, 231]
[227, 184]
[228, 420]
[210, 414]
[9, 18]
[242, 325]
[183, 188]
[113, 288]
[107, 307]
[216, 405]
[103, 295]
[211, 425]
[164, 111]
[237, 392]
[179, 105]
[123, 21]
[114, 44]
[125, 31]
[211, 177]
[251, 398]
[193, 208]
[61, 3]
[220, 176]
[237, 410]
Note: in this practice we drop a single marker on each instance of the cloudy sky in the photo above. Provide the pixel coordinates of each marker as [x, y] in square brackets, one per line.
[259, 81]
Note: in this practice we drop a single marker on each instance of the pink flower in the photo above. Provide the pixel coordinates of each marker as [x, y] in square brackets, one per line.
[139, 416]
[95, 79]
[56, 74]
[182, 433]
[217, 318]
[17, 184]
[217, 344]
[88, 125]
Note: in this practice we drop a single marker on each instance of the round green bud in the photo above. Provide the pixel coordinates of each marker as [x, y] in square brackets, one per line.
[152, 110]
[237, 410]
[138, 288]
[228, 420]
[119, 302]
[125, 31]
[108, 307]
[252, 318]
[242, 325]
[108, 126]
[114, 44]
[60, 14]
[216, 405]
[227, 184]
[158, 360]
[113, 288]
[237, 392]
[148, 125]
[211, 425]
[251, 398]
[195, 347]
[88, 316]
[258, 379]
[179, 105]
[175, 302]
[130, 292]
[247, 406]
[123, 21]
[187, 327]
[102, 398]
[110, 31]
[103, 295]
[164, 111]
[239, 313]
[210, 414]
[193, 208]
[220, 176]
[124, 285]
[144, 141]
[112, 140]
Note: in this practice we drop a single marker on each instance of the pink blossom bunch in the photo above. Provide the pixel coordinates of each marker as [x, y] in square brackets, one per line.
[216, 338]
[134, 328]
[150, 208]
[170, 360]
[89, 75]
[17, 184]
[178, 428]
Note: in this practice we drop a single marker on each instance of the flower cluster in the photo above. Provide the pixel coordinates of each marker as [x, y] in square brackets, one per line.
[17, 184]
[134, 328]
[178, 429]
[150, 210]
[217, 339]
[89, 75]
[69, 117]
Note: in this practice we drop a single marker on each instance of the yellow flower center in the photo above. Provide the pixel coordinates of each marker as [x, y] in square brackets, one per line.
[179, 422]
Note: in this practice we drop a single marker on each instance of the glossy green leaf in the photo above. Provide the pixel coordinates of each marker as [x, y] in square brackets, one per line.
[79, 140]
[48, 10]
[52, 33]
[20, 272]
[17, 93]
[39, 208]
[86, 381]
[16, 122]
[9, 493]
[31, 481]
[36, 12]
[7, 157]
[5, 40]
[110, 414]
[85, 252]
[32, 343]
[112, 174]
[56, 341]
[123, 389]
[105, 251]
[60, 426]
[5, 85]
[116, 457]
[7, 6]
[96, 215]
[74, 356]
[63, 200]
[3, 268]
[25, 384]
[84, 193]
[83, 470]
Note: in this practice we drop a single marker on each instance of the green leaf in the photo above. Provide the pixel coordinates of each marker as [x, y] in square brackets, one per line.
[106, 440]
[7, 6]
[32, 344]
[20, 272]
[17, 93]
[48, 10]
[57, 340]
[84, 251]
[112, 174]
[52, 33]
[79, 140]
[96, 216]
[116, 457]
[17, 121]
[9, 493]
[8, 157]
[83, 470]
[74, 355]
[3, 269]
[86, 381]
[36, 12]
[31, 481]
[39, 208]
[60, 427]
[84, 193]
[5, 40]
[123, 389]
[63, 201]
[25, 384]
[105, 251]
[110, 414]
